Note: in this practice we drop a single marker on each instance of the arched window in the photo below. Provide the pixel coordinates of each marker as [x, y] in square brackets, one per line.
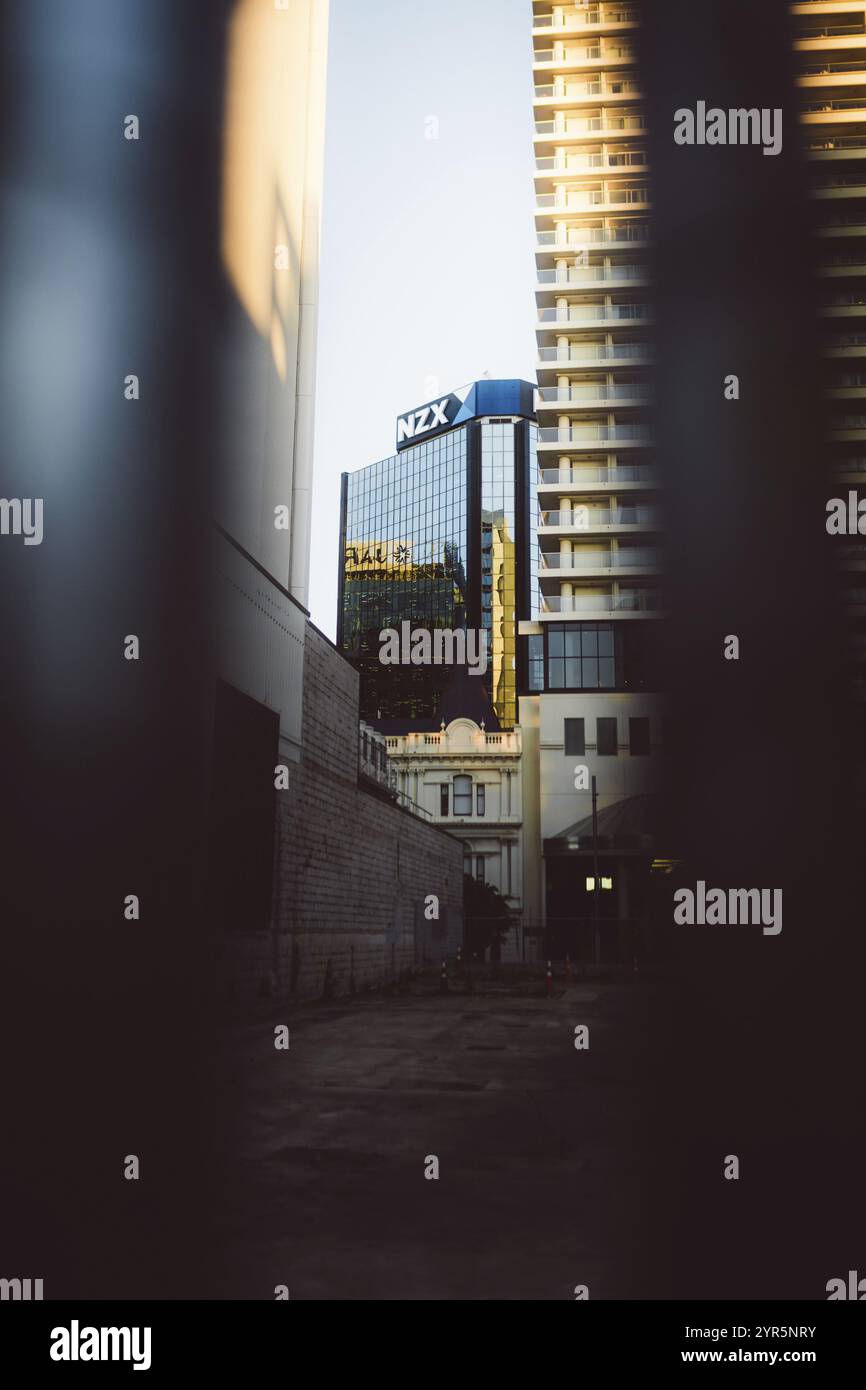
[463, 796]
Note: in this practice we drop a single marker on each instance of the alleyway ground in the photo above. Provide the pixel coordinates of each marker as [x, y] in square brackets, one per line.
[538, 1187]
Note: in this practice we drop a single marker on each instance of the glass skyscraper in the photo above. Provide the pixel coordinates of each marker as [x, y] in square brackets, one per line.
[443, 535]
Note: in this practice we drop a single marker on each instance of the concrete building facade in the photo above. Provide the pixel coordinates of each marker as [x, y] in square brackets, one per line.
[317, 881]
[830, 56]
[590, 703]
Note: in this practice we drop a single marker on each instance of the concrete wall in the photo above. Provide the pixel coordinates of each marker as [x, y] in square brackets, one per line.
[352, 871]
[272, 164]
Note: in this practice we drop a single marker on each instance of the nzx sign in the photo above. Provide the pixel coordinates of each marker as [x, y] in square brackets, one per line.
[429, 419]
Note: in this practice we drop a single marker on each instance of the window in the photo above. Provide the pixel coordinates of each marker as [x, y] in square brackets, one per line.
[536, 662]
[581, 656]
[575, 740]
[443, 799]
[467, 863]
[639, 737]
[479, 868]
[606, 737]
[463, 796]
[479, 799]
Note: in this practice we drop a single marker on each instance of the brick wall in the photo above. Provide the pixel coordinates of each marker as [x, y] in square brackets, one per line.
[352, 871]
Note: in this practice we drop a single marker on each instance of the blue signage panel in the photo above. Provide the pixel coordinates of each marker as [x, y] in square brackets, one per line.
[468, 403]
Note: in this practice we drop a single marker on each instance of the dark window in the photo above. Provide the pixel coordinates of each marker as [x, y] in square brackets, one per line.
[575, 741]
[606, 737]
[639, 737]
[536, 662]
[581, 656]
[463, 796]
[467, 864]
[479, 799]
[479, 868]
[443, 799]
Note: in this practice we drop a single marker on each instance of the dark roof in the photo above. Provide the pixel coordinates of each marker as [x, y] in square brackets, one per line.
[464, 697]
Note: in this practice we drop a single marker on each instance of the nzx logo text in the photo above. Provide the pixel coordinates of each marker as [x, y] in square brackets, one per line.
[429, 417]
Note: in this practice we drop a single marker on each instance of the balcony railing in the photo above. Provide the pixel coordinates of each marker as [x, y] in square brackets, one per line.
[593, 313]
[585, 236]
[837, 142]
[582, 125]
[598, 516]
[583, 394]
[631, 601]
[596, 87]
[591, 198]
[586, 53]
[577, 275]
[574, 358]
[586, 473]
[827, 69]
[571, 17]
[579, 163]
[605, 560]
[830, 31]
[836, 104]
[591, 433]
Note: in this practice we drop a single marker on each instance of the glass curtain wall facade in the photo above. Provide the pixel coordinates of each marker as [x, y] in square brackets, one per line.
[499, 563]
[442, 535]
[405, 557]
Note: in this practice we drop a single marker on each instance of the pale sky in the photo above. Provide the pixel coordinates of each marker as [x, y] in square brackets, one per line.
[427, 244]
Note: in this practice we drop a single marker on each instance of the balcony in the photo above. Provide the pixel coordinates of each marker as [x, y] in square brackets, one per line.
[844, 306]
[574, 20]
[602, 560]
[845, 345]
[837, 110]
[578, 164]
[572, 57]
[608, 126]
[580, 276]
[852, 186]
[836, 147]
[594, 518]
[580, 314]
[630, 392]
[575, 356]
[565, 92]
[583, 200]
[583, 237]
[818, 37]
[813, 74]
[589, 475]
[596, 433]
[629, 601]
